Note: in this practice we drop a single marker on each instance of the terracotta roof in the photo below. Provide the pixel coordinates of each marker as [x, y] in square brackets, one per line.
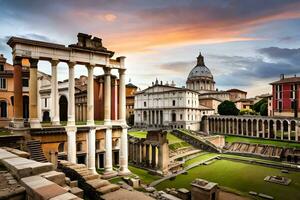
[287, 80]
[236, 90]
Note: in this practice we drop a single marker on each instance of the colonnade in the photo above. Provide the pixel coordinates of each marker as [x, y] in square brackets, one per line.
[88, 52]
[254, 126]
[145, 154]
[153, 117]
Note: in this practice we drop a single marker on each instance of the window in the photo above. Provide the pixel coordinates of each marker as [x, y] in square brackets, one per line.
[2, 83]
[180, 116]
[293, 92]
[279, 106]
[3, 109]
[25, 82]
[45, 102]
[145, 104]
[61, 147]
[1, 67]
[292, 104]
[173, 102]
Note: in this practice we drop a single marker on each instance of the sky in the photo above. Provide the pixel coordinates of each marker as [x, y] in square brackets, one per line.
[246, 44]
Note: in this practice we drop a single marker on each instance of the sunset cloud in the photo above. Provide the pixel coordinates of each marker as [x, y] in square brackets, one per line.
[240, 39]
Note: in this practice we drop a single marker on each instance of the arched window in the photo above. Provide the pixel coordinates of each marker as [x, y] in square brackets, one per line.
[61, 147]
[174, 102]
[3, 109]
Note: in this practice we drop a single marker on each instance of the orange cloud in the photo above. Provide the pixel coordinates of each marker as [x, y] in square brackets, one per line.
[110, 17]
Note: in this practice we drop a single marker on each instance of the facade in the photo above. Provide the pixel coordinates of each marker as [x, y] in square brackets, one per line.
[89, 52]
[168, 106]
[7, 92]
[286, 96]
[130, 91]
[236, 94]
[244, 104]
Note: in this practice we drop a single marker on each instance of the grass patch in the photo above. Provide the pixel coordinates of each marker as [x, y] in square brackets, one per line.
[178, 145]
[144, 175]
[199, 158]
[174, 142]
[231, 139]
[240, 177]
[4, 132]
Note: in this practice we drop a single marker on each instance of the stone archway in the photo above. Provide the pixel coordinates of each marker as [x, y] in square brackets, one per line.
[63, 108]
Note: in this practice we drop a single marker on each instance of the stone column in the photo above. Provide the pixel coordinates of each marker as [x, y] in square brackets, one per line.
[108, 150]
[71, 103]
[269, 129]
[122, 96]
[33, 98]
[257, 128]
[90, 96]
[237, 127]
[289, 131]
[282, 131]
[275, 130]
[92, 149]
[252, 129]
[107, 96]
[71, 134]
[54, 94]
[247, 128]
[296, 131]
[124, 152]
[18, 121]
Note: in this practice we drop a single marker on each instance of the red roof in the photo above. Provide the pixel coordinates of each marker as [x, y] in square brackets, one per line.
[236, 90]
[287, 80]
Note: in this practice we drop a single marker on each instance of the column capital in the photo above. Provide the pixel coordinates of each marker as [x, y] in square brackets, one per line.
[71, 64]
[122, 71]
[90, 66]
[54, 62]
[33, 62]
[107, 70]
[17, 61]
[121, 60]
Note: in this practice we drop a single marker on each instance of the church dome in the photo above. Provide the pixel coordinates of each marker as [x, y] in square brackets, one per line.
[200, 70]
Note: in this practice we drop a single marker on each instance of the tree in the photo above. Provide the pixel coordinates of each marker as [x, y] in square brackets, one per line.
[228, 108]
[257, 105]
[264, 109]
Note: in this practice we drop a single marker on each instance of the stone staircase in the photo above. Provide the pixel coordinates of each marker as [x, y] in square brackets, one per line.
[196, 141]
[35, 149]
[94, 187]
[39, 180]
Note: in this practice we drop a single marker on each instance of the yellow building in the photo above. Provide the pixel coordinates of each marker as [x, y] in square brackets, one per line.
[7, 92]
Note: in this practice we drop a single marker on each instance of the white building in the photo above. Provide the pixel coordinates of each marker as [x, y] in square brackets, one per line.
[169, 106]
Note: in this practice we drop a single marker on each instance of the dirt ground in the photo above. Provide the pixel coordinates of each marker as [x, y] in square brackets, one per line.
[227, 195]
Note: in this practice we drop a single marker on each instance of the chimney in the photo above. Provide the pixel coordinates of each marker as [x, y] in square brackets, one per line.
[281, 76]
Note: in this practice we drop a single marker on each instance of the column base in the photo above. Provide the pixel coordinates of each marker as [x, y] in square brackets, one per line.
[18, 123]
[90, 122]
[35, 123]
[92, 170]
[124, 171]
[71, 123]
[55, 123]
[109, 174]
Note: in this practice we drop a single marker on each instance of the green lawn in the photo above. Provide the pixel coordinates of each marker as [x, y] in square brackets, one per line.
[201, 157]
[144, 175]
[230, 139]
[239, 177]
[5, 132]
[174, 142]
